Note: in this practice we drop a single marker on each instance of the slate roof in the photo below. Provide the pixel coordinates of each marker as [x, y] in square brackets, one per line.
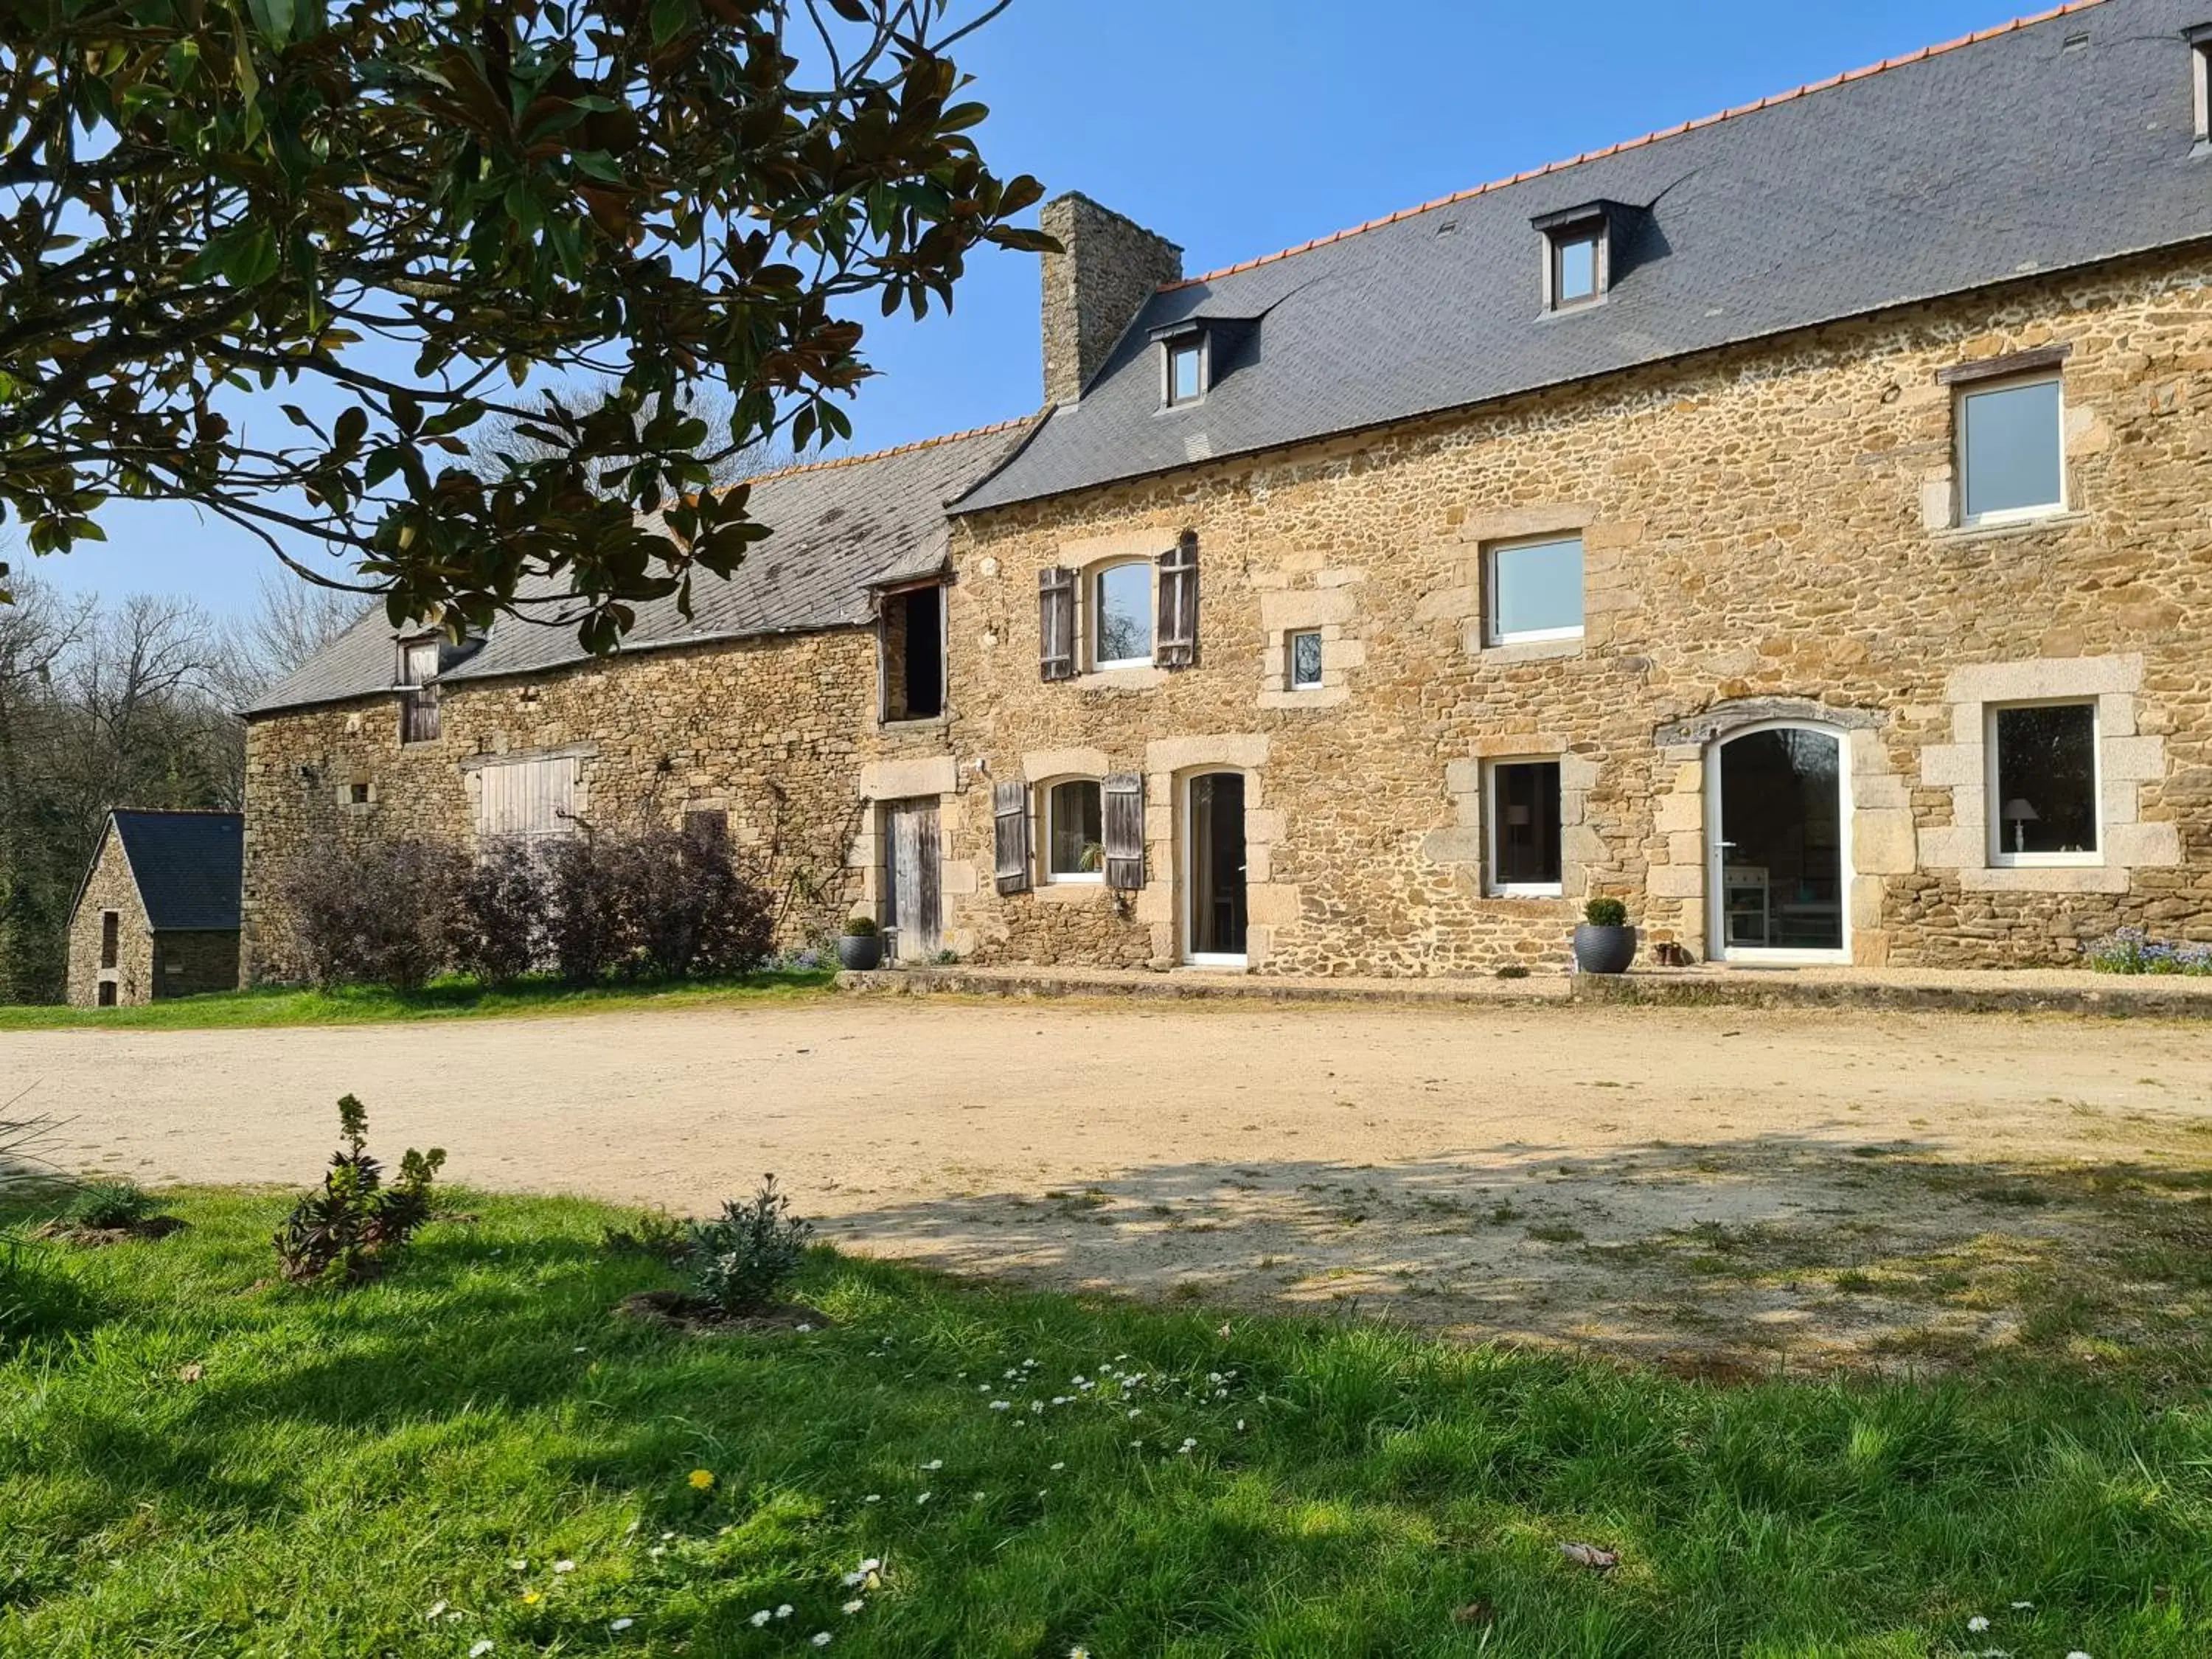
[841, 527]
[2052, 143]
[189, 867]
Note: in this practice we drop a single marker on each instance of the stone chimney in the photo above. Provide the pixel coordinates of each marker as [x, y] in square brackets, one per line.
[1095, 288]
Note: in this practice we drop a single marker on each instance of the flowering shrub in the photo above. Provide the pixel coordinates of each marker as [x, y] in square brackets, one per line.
[2131, 951]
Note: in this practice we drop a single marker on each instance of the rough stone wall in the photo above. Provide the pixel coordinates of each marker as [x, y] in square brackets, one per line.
[1771, 527]
[188, 965]
[1108, 268]
[111, 888]
[774, 731]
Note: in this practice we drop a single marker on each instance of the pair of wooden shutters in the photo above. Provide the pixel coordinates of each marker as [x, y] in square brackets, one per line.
[1123, 801]
[1175, 640]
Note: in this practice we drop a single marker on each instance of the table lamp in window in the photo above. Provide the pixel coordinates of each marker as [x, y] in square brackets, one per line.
[2019, 814]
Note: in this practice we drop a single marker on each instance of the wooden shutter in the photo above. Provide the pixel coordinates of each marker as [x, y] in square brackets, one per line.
[1057, 623]
[1176, 646]
[1125, 831]
[1010, 817]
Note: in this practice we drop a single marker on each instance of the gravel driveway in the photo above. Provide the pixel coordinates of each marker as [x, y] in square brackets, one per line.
[1565, 1174]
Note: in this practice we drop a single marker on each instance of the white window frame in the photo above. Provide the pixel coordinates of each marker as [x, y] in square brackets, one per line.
[1290, 679]
[1196, 344]
[1071, 878]
[2002, 857]
[1095, 613]
[1961, 396]
[1493, 817]
[1492, 634]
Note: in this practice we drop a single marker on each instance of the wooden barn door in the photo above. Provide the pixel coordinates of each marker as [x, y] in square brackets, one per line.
[911, 886]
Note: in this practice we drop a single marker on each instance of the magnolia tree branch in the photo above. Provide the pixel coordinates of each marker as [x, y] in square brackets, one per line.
[662, 194]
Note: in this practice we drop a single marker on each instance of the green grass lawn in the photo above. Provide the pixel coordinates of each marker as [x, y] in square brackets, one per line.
[455, 997]
[194, 1461]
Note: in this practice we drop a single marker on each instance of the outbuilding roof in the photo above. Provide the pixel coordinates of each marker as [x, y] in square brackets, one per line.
[2053, 143]
[189, 867]
[841, 527]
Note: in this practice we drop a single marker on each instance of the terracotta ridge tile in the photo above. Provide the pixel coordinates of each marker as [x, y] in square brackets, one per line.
[1550, 167]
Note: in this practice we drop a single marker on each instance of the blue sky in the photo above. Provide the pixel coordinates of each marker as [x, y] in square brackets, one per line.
[1235, 128]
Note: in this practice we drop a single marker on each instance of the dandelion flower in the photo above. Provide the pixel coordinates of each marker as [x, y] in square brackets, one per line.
[873, 1564]
[1978, 1624]
[852, 1578]
[479, 1650]
[998, 1405]
[564, 1566]
[530, 1598]
[854, 1605]
[784, 1612]
[761, 1618]
[702, 1479]
[2077, 1654]
[820, 1638]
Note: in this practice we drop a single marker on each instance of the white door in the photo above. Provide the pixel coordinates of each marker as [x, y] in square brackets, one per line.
[1778, 827]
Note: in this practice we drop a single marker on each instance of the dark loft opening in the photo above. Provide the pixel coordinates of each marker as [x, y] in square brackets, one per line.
[914, 655]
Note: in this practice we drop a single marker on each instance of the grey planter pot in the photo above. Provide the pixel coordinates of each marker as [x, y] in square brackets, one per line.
[861, 951]
[1604, 949]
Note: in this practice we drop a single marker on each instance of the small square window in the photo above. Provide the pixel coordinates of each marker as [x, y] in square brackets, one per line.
[1305, 661]
[2011, 460]
[1121, 613]
[357, 793]
[2042, 785]
[1535, 590]
[1186, 371]
[1578, 274]
[1524, 829]
[1074, 832]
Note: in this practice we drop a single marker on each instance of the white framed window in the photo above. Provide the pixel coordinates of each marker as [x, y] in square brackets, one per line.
[1303, 650]
[1186, 370]
[1523, 815]
[2045, 787]
[1074, 815]
[1121, 614]
[1533, 591]
[2011, 451]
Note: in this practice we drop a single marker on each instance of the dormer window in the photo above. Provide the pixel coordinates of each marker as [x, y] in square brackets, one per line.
[2200, 70]
[1577, 256]
[1186, 370]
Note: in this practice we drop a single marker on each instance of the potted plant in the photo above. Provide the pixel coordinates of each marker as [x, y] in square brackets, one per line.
[860, 946]
[1604, 943]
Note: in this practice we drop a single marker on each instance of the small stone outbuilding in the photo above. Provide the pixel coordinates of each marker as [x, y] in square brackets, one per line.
[156, 914]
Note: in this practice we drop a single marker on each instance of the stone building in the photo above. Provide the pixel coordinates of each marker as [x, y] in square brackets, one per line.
[157, 912]
[1796, 525]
